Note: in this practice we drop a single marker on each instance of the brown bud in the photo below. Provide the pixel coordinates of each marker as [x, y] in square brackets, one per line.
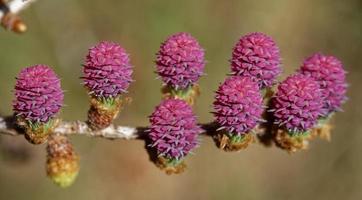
[62, 164]
[13, 22]
[323, 132]
[291, 143]
[171, 167]
[37, 133]
[226, 143]
[323, 129]
[101, 115]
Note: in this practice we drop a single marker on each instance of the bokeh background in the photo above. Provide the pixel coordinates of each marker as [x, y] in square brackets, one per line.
[60, 32]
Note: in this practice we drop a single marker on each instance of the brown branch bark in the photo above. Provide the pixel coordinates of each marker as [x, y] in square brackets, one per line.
[9, 127]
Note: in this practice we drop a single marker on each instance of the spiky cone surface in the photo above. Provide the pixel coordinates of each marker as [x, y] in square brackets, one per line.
[107, 75]
[296, 108]
[188, 94]
[107, 71]
[38, 98]
[329, 72]
[173, 133]
[62, 164]
[256, 55]
[291, 143]
[102, 112]
[233, 143]
[180, 61]
[297, 104]
[238, 108]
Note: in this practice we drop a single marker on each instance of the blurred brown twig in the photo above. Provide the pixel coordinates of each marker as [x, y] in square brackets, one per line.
[9, 14]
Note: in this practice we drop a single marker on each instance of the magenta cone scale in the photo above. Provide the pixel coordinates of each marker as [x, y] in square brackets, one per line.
[328, 71]
[180, 61]
[256, 55]
[238, 105]
[174, 130]
[298, 103]
[38, 94]
[107, 70]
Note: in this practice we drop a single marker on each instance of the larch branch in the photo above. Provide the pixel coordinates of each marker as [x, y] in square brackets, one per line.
[8, 127]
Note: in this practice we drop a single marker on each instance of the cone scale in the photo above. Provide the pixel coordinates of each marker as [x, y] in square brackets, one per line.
[38, 98]
[329, 72]
[238, 107]
[173, 134]
[106, 75]
[296, 108]
[257, 56]
[180, 63]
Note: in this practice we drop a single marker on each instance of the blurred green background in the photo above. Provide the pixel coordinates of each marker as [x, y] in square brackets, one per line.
[61, 31]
